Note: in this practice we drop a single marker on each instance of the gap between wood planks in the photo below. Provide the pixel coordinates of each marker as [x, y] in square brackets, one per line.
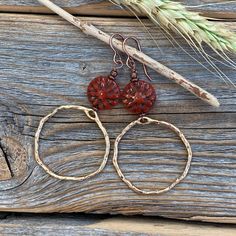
[105, 8]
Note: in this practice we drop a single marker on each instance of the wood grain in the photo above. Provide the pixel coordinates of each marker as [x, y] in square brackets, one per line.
[5, 172]
[78, 224]
[45, 62]
[210, 8]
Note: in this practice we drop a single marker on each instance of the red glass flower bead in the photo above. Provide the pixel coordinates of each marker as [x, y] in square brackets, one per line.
[138, 96]
[103, 92]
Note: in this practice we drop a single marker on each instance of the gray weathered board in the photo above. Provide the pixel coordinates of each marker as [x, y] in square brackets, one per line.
[46, 62]
[97, 225]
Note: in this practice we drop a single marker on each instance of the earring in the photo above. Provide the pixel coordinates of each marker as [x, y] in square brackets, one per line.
[103, 92]
[91, 114]
[139, 97]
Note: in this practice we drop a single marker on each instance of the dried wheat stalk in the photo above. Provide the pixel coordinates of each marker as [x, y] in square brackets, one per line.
[91, 30]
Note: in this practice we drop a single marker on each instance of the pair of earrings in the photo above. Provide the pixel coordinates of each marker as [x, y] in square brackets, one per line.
[104, 93]
[138, 96]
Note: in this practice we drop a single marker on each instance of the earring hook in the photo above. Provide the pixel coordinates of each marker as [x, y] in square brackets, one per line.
[116, 58]
[130, 59]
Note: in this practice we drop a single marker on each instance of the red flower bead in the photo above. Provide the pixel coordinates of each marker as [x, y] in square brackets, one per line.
[103, 93]
[138, 96]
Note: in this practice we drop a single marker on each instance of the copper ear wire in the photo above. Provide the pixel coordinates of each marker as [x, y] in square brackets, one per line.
[130, 60]
[116, 61]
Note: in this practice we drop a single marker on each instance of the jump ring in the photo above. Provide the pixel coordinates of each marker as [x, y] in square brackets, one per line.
[144, 121]
[91, 114]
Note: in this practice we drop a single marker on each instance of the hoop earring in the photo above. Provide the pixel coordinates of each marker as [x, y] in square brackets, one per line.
[139, 97]
[145, 121]
[91, 114]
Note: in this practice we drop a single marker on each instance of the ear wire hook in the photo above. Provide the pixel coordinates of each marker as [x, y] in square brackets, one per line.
[130, 60]
[116, 58]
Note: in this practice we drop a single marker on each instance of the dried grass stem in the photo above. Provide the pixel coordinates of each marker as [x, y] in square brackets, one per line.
[91, 30]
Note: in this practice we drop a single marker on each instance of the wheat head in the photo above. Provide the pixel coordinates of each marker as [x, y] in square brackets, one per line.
[194, 28]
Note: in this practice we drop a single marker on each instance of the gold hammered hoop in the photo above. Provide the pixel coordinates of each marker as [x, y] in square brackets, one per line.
[144, 121]
[91, 114]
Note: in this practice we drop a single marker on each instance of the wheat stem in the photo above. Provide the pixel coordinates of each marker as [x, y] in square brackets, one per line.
[91, 30]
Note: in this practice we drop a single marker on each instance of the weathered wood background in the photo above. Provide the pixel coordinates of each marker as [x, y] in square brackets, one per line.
[46, 62]
[97, 225]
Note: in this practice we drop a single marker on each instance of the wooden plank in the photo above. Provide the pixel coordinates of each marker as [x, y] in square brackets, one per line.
[45, 62]
[76, 224]
[211, 8]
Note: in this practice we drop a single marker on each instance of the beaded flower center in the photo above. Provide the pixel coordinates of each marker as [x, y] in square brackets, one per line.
[103, 93]
[138, 97]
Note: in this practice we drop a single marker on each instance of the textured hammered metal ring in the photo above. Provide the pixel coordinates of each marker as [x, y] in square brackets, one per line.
[144, 121]
[91, 114]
